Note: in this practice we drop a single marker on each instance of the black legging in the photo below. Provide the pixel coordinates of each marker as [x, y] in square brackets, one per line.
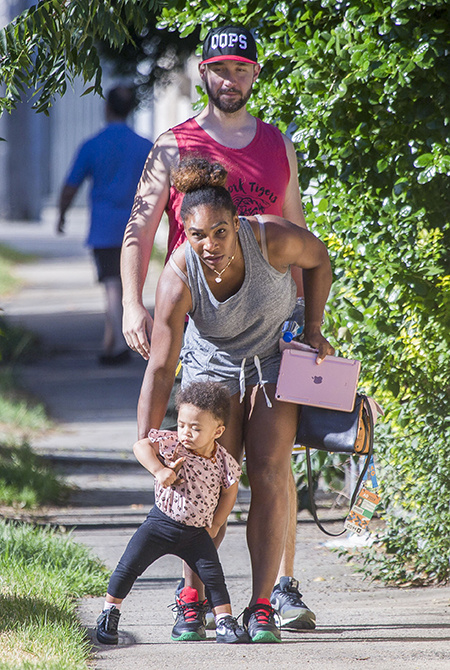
[160, 535]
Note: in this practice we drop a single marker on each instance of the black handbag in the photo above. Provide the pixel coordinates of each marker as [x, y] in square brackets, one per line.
[336, 432]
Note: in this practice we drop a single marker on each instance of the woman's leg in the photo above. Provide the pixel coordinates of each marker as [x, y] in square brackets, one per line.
[269, 437]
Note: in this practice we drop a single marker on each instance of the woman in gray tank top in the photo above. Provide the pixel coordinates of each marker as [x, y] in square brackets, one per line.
[232, 277]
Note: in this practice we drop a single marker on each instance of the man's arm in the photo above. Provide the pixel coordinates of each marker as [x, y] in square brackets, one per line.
[81, 170]
[150, 201]
[67, 195]
[292, 206]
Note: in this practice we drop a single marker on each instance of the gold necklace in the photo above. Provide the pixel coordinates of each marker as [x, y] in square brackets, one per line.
[218, 279]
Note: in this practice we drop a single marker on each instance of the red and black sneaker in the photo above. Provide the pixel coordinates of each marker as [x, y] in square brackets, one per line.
[259, 621]
[190, 622]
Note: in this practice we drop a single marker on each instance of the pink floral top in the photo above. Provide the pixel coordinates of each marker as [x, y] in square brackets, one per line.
[194, 500]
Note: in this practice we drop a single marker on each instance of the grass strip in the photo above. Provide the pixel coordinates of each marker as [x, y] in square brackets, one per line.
[9, 257]
[42, 573]
[27, 480]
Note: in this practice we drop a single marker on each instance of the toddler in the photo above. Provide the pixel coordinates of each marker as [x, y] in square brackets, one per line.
[196, 482]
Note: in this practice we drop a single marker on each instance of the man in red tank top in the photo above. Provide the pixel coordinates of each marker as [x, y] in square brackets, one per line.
[262, 179]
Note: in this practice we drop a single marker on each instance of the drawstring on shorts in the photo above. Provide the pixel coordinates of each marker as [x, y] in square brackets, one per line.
[261, 383]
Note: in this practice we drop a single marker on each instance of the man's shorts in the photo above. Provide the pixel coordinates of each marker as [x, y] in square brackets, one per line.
[107, 262]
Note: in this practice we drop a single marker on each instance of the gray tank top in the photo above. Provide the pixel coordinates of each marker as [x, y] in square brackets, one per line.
[220, 335]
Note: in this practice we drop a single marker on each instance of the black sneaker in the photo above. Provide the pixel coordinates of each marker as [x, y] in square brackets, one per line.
[287, 600]
[209, 616]
[190, 622]
[259, 621]
[107, 624]
[230, 632]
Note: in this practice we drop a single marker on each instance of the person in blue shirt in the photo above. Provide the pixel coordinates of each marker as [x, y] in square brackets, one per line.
[113, 160]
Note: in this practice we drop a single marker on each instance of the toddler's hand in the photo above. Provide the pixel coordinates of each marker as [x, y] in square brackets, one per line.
[168, 476]
[213, 530]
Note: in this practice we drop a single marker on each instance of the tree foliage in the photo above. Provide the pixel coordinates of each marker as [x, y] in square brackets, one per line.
[363, 86]
[52, 42]
[150, 57]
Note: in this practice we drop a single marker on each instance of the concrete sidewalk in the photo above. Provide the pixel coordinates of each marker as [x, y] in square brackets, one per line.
[359, 624]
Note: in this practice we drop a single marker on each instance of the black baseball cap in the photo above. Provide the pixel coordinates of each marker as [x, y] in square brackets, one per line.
[229, 43]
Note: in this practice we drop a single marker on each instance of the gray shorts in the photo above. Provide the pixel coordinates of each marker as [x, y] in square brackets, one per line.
[209, 364]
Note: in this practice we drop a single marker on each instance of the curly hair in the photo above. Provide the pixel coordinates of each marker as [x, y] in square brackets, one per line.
[208, 396]
[203, 183]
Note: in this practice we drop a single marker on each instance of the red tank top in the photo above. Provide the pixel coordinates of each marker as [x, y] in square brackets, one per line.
[258, 174]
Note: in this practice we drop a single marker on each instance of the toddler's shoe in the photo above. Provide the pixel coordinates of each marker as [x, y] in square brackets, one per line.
[107, 624]
[230, 632]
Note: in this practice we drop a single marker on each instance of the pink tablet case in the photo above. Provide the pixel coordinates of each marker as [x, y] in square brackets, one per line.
[331, 385]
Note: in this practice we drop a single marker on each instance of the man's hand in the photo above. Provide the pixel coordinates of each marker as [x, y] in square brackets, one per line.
[60, 225]
[137, 329]
[169, 474]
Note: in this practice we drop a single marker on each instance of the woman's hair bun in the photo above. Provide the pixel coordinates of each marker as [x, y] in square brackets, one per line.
[193, 173]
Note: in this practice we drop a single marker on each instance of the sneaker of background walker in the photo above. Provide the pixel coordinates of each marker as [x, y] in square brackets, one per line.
[107, 624]
[209, 616]
[259, 622]
[228, 631]
[287, 600]
[190, 621]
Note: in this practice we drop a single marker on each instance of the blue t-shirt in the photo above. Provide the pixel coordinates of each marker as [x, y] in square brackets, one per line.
[113, 160]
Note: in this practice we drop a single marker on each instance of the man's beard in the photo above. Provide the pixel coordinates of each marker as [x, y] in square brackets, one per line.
[226, 106]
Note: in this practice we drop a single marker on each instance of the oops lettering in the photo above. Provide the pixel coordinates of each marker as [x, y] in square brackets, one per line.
[223, 41]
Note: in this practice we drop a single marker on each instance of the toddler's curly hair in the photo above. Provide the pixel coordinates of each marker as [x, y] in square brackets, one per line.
[208, 396]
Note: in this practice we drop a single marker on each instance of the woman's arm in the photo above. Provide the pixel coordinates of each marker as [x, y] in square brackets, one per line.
[289, 245]
[173, 301]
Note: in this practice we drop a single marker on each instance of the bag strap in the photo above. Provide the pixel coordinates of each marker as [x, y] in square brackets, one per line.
[367, 418]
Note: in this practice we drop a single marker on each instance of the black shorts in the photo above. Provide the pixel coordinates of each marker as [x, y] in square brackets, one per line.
[107, 262]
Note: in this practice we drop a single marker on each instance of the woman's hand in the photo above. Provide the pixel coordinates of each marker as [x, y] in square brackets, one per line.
[315, 339]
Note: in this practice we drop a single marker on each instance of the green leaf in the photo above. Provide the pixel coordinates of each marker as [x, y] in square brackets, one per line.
[424, 160]
[355, 314]
[323, 205]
